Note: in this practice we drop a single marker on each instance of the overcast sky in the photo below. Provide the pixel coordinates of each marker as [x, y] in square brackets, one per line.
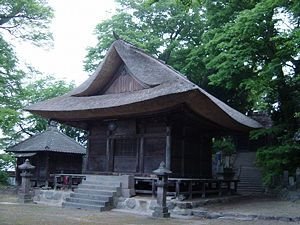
[72, 29]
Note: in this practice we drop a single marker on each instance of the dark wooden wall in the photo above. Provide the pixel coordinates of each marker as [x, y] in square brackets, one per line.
[191, 150]
[57, 163]
[137, 146]
[133, 147]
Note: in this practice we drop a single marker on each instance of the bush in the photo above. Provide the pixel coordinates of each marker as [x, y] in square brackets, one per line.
[282, 153]
[3, 177]
[225, 145]
[7, 162]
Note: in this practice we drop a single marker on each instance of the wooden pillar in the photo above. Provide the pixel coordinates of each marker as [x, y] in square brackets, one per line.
[36, 160]
[141, 148]
[141, 152]
[85, 159]
[47, 169]
[168, 148]
[182, 157]
[182, 173]
[108, 153]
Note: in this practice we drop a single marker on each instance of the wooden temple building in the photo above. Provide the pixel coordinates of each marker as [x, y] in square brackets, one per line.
[138, 112]
[50, 152]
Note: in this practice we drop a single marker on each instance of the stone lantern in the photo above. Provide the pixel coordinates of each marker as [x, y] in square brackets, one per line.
[161, 210]
[25, 193]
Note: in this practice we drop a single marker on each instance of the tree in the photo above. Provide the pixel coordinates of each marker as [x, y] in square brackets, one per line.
[6, 162]
[257, 54]
[23, 20]
[18, 124]
[163, 30]
[26, 19]
[244, 52]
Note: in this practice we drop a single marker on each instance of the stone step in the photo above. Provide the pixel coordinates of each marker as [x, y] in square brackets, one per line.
[84, 206]
[106, 179]
[98, 186]
[250, 174]
[250, 190]
[109, 183]
[96, 192]
[250, 187]
[87, 201]
[91, 197]
[249, 184]
[250, 181]
[243, 192]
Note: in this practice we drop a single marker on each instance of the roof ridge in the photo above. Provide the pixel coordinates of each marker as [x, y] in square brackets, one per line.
[179, 74]
[74, 141]
[25, 140]
[46, 141]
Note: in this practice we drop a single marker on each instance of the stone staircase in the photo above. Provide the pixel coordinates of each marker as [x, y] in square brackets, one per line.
[250, 176]
[95, 193]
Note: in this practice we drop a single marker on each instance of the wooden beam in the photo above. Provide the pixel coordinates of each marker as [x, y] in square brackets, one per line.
[85, 159]
[168, 147]
[111, 155]
[47, 169]
[108, 152]
[183, 146]
[137, 157]
[141, 154]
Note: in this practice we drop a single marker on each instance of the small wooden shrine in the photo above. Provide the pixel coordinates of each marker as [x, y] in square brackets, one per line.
[140, 112]
[50, 152]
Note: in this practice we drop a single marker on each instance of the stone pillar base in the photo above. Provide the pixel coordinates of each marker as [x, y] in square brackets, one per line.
[161, 212]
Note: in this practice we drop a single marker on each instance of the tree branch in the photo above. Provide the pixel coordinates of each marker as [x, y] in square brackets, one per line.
[24, 130]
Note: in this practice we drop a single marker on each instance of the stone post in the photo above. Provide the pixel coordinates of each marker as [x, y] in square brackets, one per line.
[285, 178]
[25, 193]
[298, 177]
[161, 210]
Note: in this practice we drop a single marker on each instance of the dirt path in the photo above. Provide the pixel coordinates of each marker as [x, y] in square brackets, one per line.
[260, 206]
[12, 213]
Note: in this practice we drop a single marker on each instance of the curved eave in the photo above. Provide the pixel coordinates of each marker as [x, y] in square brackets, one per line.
[45, 150]
[97, 107]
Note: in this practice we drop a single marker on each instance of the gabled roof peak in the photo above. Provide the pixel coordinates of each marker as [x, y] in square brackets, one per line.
[49, 140]
[144, 68]
[152, 86]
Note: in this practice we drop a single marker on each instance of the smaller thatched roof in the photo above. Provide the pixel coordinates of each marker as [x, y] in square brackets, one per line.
[50, 140]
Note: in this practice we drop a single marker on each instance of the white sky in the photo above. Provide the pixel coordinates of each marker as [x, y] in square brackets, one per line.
[72, 27]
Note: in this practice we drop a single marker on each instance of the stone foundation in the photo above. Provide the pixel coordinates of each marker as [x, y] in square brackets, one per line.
[146, 205]
[50, 197]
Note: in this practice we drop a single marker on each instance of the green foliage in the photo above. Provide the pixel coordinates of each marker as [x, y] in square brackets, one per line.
[162, 29]
[244, 52]
[6, 162]
[225, 145]
[26, 19]
[15, 123]
[277, 158]
[282, 153]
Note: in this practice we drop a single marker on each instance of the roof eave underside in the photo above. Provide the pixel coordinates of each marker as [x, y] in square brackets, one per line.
[200, 102]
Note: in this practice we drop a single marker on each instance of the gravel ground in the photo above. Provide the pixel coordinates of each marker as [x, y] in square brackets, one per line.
[260, 206]
[12, 213]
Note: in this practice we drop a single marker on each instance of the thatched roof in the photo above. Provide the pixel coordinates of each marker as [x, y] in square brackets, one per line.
[161, 88]
[50, 140]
